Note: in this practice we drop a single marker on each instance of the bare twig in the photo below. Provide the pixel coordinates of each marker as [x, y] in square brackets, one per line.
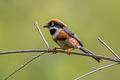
[33, 58]
[37, 26]
[25, 64]
[97, 69]
[59, 51]
[108, 48]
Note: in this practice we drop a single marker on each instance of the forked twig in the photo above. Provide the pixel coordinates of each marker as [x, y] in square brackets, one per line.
[62, 51]
[59, 51]
[97, 69]
[25, 64]
[108, 48]
[34, 57]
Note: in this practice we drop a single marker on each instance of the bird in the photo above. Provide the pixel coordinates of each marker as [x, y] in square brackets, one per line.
[65, 38]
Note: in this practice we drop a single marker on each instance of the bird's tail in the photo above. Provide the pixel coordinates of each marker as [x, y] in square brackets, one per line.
[89, 52]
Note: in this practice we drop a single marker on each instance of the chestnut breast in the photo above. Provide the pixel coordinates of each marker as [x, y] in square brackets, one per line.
[65, 41]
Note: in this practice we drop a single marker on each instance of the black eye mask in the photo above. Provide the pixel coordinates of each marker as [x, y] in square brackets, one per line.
[52, 31]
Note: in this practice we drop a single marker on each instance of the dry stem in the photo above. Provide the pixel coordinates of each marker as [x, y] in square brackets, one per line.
[97, 69]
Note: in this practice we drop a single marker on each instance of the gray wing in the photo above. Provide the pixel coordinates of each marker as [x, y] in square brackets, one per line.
[70, 33]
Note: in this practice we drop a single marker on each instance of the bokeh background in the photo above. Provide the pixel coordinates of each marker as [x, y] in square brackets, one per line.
[89, 19]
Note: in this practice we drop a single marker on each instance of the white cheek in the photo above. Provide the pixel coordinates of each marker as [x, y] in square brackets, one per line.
[56, 33]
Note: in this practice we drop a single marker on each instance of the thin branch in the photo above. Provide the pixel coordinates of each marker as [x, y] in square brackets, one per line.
[59, 51]
[25, 64]
[97, 69]
[110, 49]
[37, 26]
[33, 58]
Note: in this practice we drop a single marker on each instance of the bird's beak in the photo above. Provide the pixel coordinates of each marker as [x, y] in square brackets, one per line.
[46, 26]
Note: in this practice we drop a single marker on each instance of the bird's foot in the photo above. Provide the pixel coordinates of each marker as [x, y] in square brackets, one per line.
[68, 51]
[54, 50]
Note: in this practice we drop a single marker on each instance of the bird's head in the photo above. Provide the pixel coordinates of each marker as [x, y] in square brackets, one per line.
[54, 23]
[54, 26]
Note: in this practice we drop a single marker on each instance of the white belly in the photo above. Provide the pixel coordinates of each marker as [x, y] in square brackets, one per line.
[65, 44]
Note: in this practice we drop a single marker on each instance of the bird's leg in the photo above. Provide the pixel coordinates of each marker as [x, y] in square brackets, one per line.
[68, 50]
[54, 50]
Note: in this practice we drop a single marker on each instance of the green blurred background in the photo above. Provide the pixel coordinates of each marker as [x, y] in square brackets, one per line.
[89, 19]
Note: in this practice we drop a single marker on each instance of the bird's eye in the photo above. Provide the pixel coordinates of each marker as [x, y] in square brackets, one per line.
[52, 24]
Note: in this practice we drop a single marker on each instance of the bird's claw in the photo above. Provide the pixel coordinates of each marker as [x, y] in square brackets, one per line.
[54, 50]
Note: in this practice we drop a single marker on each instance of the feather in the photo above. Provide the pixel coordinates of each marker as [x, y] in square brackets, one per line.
[70, 33]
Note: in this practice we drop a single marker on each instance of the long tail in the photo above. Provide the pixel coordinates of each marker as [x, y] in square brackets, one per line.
[89, 52]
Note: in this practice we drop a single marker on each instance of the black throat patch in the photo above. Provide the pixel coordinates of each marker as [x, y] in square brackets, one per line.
[52, 31]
